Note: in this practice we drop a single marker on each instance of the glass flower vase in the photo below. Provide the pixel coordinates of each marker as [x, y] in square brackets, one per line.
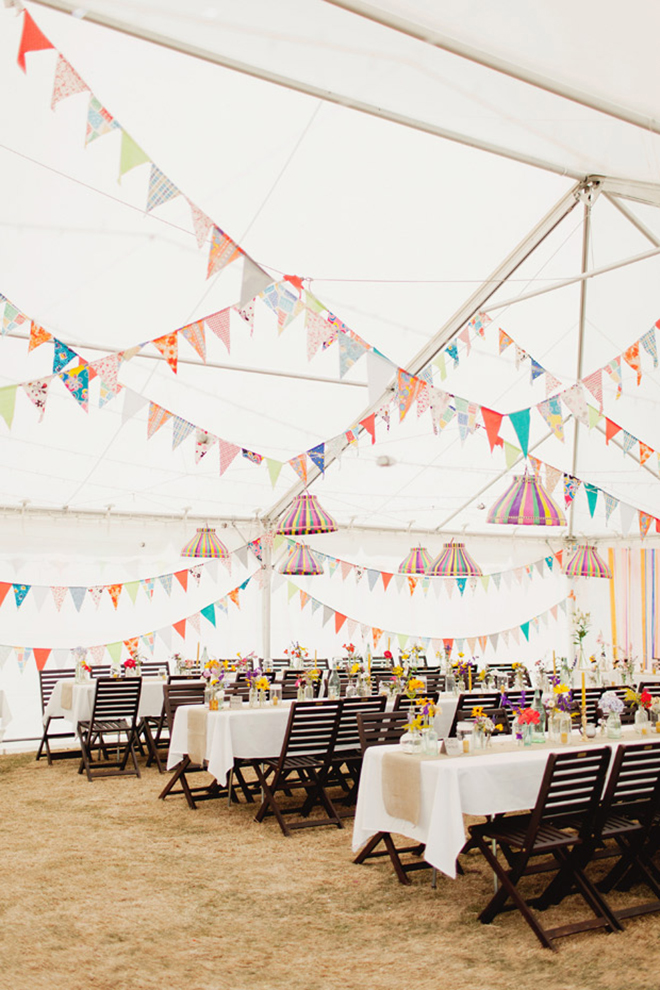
[308, 692]
[613, 726]
[642, 724]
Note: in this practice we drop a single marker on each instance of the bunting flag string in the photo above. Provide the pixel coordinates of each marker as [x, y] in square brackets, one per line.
[39, 592]
[375, 634]
[130, 644]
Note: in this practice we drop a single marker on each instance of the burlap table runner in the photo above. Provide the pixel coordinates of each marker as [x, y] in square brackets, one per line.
[66, 698]
[401, 784]
[197, 717]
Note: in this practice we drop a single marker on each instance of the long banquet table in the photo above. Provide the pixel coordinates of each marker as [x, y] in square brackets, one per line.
[82, 699]
[501, 780]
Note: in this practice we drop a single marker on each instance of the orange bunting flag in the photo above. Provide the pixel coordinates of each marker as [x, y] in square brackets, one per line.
[299, 465]
[611, 429]
[234, 597]
[376, 633]
[132, 645]
[644, 452]
[32, 40]
[492, 422]
[41, 654]
[180, 628]
[168, 345]
[386, 578]
[223, 252]
[412, 583]
[339, 621]
[158, 416]
[38, 336]
[631, 357]
[370, 426]
[645, 521]
[182, 578]
[114, 590]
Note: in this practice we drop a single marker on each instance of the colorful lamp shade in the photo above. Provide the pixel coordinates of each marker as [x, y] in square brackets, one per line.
[306, 517]
[526, 503]
[416, 562]
[454, 561]
[586, 562]
[205, 544]
[301, 560]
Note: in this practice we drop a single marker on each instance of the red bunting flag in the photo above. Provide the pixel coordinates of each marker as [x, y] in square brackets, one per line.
[386, 578]
[492, 422]
[41, 654]
[339, 621]
[32, 40]
[180, 628]
[182, 578]
[611, 429]
[370, 426]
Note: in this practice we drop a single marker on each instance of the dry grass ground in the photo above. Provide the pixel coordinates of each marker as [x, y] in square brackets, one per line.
[106, 888]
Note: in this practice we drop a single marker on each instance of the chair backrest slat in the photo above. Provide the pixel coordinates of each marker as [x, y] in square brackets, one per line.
[179, 693]
[381, 728]
[117, 698]
[572, 787]
[633, 788]
[49, 678]
[348, 734]
[312, 728]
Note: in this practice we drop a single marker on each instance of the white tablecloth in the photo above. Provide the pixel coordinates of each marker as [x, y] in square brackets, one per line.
[450, 788]
[151, 700]
[5, 714]
[245, 733]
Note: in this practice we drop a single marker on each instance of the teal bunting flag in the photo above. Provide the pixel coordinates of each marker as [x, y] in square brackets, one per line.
[525, 628]
[20, 591]
[461, 582]
[592, 497]
[209, 613]
[62, 355]
[520, 421]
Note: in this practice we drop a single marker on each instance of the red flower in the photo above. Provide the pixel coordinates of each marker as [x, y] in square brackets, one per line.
[529, 716]
[646, 699]
[387, 654]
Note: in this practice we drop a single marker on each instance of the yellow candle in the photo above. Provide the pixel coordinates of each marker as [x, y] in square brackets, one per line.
[554, 664]
[470, 676]
[584, 693]
[315, 658]
[388, 643]
[198, 652]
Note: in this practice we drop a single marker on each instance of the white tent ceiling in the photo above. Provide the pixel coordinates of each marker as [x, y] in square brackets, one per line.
[392, 227]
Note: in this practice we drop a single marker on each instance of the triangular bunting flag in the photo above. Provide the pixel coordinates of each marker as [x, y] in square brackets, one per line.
[594, 383]
[168, 345]
[20, 591]
[76, 381]
[520, 421]
[161, 189]
[32, 40]
[649, 343]
[631, 357]
[158, 416]
[254, 281]
[38, 336]
[222, 252]
[194, 334]
[62, 355]
[228, 452]
[209, 613]
[592, 497]
[181, 429]
[201, 224]
[99, 121]
[218, 323]
[492, 422]
[67, 82]
[131, 154]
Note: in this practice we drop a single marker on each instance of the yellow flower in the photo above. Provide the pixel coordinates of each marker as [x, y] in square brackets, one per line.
[561, 689]
[477, 711]
[499, 727]
[355, 669]
[415, 685]
[631, 695]
[262, 683]
[397, 671]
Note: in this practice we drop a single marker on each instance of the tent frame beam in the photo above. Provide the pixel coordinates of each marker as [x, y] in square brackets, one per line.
[307, 89]
[443, 42]
[582, 322]
[472, 305]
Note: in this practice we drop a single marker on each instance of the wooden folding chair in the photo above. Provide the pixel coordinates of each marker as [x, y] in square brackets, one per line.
[561, 822]
[302, 765]
[179, 693]
[114, 714]
[625, 822]
[346, 762]
[47, 681]
[384, 729]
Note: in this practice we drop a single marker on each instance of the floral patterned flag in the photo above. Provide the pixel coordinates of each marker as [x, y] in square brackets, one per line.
[234, 597]
[631, 357]
[95, 594]
[67, 82]
[299, 465]
[203, 443]
[219, 324]
[614, 371]
[38, 336]
[59, 594]
[20, 591]
[351, 349]
[505, 340]
[222, 252]
[161, 189]
[571, 486]
[644, 452]
[407, 389]
[107, 369]
[645, 521]
[62, 355]
[37, 392]
[320, 333]
[114, 590]
[99, 121]
[576, 402]
[77, 382]
[247, 314]
[168, 345]
[550, 409]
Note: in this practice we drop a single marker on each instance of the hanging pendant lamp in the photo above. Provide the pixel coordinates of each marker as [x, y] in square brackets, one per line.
[301, 560]
[587, 562]
[454, 561]
[526, 503]
[306, 517]
[417, 561]
[205, 544]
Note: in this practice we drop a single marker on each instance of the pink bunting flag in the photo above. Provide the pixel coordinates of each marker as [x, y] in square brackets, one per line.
[228, 452]
[320, 333]
[299, 465]
[218, 323]
[551, 384]
[59, 594]
[67, 82]
[194, 334]
[594, 383]
[201, 224]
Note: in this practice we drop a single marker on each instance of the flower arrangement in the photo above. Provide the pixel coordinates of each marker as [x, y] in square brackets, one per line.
[307, 677]
[213, 671]
[261, 683]
[528, 716]
[516, 709]
[297, 651]
[426, 708]
[581, 625]
[483, 722]
[350, 650]
[131, 664]
[247, 660]
[562, 698]
[387, 655]
[251, 676]
[610, 703]
[461, 667]
[643, 700]
[655, 706]
[413, 686]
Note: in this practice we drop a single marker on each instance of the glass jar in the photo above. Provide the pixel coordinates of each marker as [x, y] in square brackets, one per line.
[300, 696]
[478, 739]
[613, 726]
[429, 741]
[81, 673]
[308, 692]
[263, 698]
[527, 734]
[276, 694]
[208, 693]
[253, 698]
[642, 724]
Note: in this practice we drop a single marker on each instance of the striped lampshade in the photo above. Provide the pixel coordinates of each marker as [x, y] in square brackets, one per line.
[306, 517]
[454, 561]
[301, 560]
[416, 562]
[586, 562]
[526, 503]
[205, 544]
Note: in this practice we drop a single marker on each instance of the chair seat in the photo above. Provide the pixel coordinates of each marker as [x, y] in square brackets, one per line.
[619, 825]
[513, 832]
[106, 725]
[296, 762]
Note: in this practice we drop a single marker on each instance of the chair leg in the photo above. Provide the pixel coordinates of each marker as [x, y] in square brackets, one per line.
[269, 801]
[176, 775]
